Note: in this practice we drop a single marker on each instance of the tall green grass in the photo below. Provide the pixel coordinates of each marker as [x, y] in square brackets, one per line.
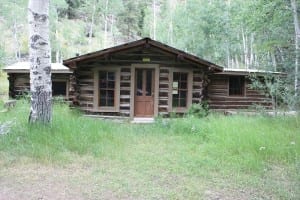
[217, 142]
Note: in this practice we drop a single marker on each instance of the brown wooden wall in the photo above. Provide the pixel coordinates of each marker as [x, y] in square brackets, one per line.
[19, 83]
[218, 95]
[83, 88]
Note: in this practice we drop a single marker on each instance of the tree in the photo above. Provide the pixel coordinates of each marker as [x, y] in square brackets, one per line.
[297, 37]
[40, 60]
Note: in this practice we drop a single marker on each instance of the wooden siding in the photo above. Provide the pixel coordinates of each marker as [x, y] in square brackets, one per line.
[125, 91]
[218, 95]
[84, 90]
[164, 88]
[19, 84]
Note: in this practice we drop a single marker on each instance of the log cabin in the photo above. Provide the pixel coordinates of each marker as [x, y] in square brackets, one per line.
[147, 78]
[19, 81]
[231, 89]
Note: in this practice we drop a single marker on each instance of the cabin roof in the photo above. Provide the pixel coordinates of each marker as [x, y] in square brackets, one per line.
[146, 42]
[24, 67]
[235, 71]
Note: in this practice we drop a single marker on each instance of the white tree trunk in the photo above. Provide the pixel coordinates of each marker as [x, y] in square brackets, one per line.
[297, 36]
[105, 23]
[154, 19]
[92, 24]
[40, 59]
[17, 43]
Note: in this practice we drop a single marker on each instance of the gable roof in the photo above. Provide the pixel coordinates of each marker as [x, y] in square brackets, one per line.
[147, 42]
[24, 67]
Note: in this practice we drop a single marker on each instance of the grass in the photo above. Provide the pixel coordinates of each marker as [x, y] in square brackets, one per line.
[235, 157]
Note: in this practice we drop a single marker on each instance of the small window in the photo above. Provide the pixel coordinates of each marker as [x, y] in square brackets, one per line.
[59, 88]
[180, 89]
[107, 84]
[236, 85]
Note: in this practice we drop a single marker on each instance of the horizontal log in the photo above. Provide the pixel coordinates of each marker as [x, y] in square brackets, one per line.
[125, 88]
[124, 96]
[125, 105]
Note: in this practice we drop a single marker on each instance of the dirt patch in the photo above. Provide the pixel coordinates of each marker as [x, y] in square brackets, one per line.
[106, 179]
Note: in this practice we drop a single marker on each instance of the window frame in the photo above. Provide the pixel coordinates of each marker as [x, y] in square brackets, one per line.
[61, 80]
[243, 86]
[116, 107]
[189, 90]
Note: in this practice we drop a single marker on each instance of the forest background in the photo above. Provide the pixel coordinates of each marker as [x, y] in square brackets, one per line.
[256, 34]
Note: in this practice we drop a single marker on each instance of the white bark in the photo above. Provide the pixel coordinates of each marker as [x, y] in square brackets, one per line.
[40, 58]
[105, 23]
[92, 24]
[154, 19]
[251, 61]
[17, 43]
[297, 36]
[274, 63]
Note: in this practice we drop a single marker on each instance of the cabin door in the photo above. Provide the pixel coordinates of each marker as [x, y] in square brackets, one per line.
[144, 93]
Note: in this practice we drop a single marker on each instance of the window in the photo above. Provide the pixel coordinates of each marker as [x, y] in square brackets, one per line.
[107, 85]
[144, 82]
[180, 89]
[59, 88]
[236, 85]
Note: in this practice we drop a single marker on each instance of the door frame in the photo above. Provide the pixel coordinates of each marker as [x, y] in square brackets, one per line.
[155, 67]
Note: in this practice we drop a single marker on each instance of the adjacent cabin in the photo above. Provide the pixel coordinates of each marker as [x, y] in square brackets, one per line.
[144, 78]
[231, 89]
[19, 81]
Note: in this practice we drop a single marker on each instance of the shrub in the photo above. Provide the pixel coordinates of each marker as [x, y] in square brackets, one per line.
[199, 110]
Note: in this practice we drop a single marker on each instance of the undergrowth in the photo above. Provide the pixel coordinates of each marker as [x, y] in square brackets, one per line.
[240, 143]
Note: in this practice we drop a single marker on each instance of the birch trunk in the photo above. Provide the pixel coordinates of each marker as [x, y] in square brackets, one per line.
[297, 36]
[154, 19]
[17, 43]
[105, 24]
[40, 59]
[91, 26]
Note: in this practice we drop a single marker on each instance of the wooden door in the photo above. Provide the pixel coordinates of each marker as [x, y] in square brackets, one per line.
[144, 93]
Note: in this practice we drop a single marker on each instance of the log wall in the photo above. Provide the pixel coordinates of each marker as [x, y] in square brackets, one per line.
[82, 88]
[19, 83]
[218, 95]
[125, 92]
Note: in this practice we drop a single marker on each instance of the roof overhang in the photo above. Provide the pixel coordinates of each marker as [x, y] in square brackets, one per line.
[24, 67]
[146, 42]
[248, 72]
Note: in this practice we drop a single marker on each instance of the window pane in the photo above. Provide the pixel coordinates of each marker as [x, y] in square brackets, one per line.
[183, 85]
[236, 85]
[111, 76]
[110, 94]
[110, 102]
[175, 76]
[111, 85]
[182, 102]
[59, 88]
[183, 94]
[102, 75]
[149, 82]
[139, 82]
[180, 99]
[183, 76]
[175, 102]
[106, 88]
[103, 84]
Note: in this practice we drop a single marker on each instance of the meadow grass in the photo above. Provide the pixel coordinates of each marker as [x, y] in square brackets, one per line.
[243, 148]
[241, 142]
